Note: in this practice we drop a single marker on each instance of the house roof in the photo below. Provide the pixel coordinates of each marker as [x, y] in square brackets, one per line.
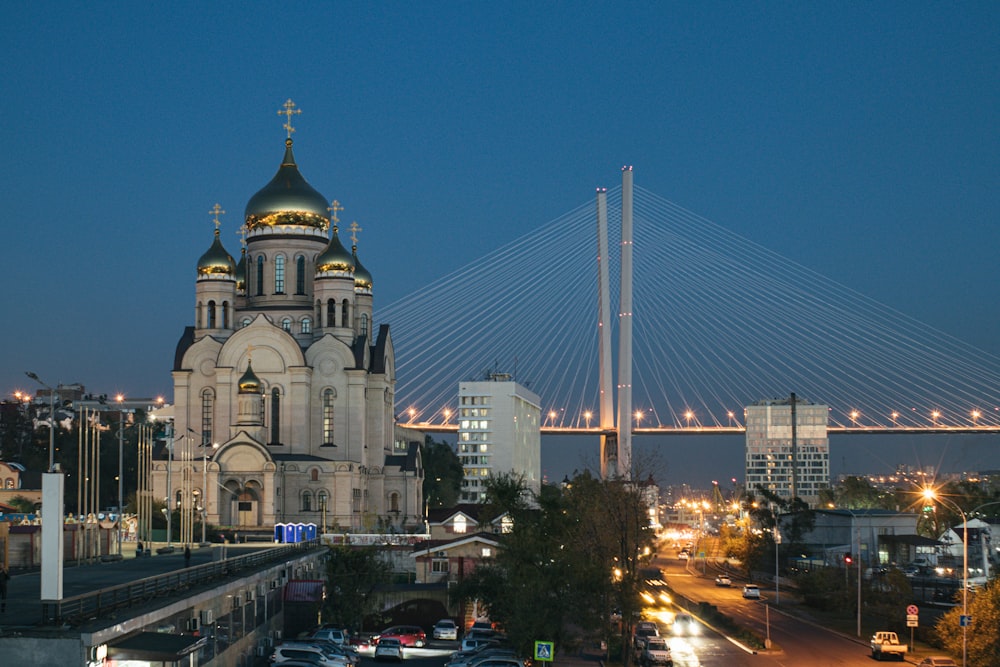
[471, 511]
[433, 546]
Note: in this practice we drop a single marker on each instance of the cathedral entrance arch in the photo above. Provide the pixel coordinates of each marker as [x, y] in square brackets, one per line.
[240, 505]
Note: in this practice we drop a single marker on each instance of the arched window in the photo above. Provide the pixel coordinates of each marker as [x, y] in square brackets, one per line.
[198, 315]
[207, 412]
[331, 313]
[364, 324]
[300, 275]
[275, 416]
[286, 324]
[260, 275]
[345, 320]
[393, 502]
[245, 322]
[279, 274]
[322, 501]
[306, 501]
[307, 325]
[328, 397]
[314, 474]
[225, 314]
[211, 314]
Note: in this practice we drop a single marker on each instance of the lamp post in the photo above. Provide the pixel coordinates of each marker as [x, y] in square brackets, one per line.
[121, 467]
[52, 419]
[931, 494]
[777, 541]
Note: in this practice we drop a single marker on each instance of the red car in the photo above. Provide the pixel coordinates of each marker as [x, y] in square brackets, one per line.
[408, 635]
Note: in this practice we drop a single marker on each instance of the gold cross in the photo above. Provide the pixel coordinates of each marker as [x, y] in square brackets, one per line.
[289, 111]
[242, 231]
[334, 208]
[354, 232]
[216, 211]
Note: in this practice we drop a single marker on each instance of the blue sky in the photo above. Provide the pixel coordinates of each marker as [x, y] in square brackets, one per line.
[860, 139]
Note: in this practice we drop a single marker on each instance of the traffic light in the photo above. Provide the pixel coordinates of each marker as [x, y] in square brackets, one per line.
[848, 559]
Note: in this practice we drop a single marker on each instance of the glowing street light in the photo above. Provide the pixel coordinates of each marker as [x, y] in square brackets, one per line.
[587, 415]
[934, 417]
[975, 417]
[689, 415]
[854, 416]
[731, 417]
[931, 494]
[895, 418]
[413, 413]
[447, 415]
[638, 418]
[52, 419]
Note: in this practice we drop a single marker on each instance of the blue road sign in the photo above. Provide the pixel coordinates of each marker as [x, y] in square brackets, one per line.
[544, 651]
[964, 620]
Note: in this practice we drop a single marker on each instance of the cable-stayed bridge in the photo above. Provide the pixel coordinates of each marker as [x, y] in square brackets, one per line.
[718, 321]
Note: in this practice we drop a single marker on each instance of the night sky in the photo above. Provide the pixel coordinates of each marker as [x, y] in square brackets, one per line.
[860, 139]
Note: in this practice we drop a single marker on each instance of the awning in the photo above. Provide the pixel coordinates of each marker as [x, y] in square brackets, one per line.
[912, 540]
[304, 590]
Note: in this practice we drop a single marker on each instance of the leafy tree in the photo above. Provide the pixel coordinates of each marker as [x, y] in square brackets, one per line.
[352, 575]
[442, 473]
[22, 504]
[857, 493]
[983, 640]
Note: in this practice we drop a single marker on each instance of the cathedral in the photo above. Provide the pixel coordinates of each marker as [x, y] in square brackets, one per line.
[283, 388]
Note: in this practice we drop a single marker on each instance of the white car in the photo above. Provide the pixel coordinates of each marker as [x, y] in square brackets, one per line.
[685, 625]
[389, 648]
[723, 580]
[751, 592]
[445, 629]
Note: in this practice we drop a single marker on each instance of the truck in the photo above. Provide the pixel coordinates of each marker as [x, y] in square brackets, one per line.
[655, 652]
[886, 644]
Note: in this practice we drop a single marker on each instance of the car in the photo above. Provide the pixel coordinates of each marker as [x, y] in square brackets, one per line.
[445, 629]
[472, 642]
[469, 658]
[937, 661]
[482, 624]
[684, 625]
[408, 635]
[656, 652]
[347, 652]
[314, 656]
[641, 632]
[331, 652]
[751, 592]
[723, 580]
[332, 633]
[389, 648]
[684, 556]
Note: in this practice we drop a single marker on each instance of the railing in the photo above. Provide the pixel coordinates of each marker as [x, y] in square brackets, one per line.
[96, 604]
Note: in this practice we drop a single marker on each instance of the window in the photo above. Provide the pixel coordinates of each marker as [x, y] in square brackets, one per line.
[331, 313]
[245, 322]
[306, 501]
[198, 317]
[439, 565]
[364, 324]
[211, 314]
[321, 500]
[260, 275]
[393, 502]
[275, 416]
[286, 324]
[344, 314]
[328, 396]
[279, 274]
[356, 500]
[225, 314]
[314, 475]
[300, 275]
[207, 405]
[306, 325]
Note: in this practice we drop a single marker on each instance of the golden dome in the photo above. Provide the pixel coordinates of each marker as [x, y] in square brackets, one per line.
[249, 384]
[287, 200]
[335, 257]
[216, 261]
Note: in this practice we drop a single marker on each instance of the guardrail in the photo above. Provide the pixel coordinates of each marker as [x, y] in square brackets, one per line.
[96, 604]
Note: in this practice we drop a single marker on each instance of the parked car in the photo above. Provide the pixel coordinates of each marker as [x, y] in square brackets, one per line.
[332, 633]
[751, 592]
[331, 652]
[347, 652]
[885, 643]
[937, 661]
[285, 653]
[723, 580]
[445, 629]
[472, 642]
[408, 635]
[656, 652]
[684, 624]
[684, 555]
[482, 624]
[389, 648]
[641, 632]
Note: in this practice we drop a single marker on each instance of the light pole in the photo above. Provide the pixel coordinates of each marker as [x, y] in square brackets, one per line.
[931, 494]
[52, 419]
[121, 467]
[777, 541]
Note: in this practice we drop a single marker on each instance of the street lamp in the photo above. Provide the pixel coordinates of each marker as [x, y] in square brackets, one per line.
[121, 467]
[52, 419]
[587, 415]
[931, 494]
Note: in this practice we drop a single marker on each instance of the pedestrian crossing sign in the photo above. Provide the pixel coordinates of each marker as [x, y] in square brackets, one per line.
[544, 651]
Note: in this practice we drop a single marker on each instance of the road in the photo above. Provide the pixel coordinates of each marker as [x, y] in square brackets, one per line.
[794, 641]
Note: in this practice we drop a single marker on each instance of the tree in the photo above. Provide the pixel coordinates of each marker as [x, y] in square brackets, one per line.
[22, 504]
[442, 473]
[352, 575]
[983, 640]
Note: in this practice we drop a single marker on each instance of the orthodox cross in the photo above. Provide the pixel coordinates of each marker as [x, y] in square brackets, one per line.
[354, 232]
[334, 208]
[288, 112]
[242, 231]
[216, 212]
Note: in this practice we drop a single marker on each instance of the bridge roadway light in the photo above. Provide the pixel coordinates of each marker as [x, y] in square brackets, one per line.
[688, 415]
[447, 415]
[934, 417]
[854, 417]
[931, 494]
[975, 417]
[587, 415]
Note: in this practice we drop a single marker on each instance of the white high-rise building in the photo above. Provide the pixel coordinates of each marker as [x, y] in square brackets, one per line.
[499, 431]
[784, 460]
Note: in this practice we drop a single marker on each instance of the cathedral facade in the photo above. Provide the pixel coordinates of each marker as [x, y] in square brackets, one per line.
[283, 387]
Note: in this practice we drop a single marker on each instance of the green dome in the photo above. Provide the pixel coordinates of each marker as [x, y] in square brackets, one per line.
[216, 261]
[241, 271]
[362, 279]
[335, 256]
[287, 200]
[249, 384]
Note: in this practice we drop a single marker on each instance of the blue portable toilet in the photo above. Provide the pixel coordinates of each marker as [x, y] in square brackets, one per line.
[279, 532]
[289, 533]
[309, 532]
[298, 532]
